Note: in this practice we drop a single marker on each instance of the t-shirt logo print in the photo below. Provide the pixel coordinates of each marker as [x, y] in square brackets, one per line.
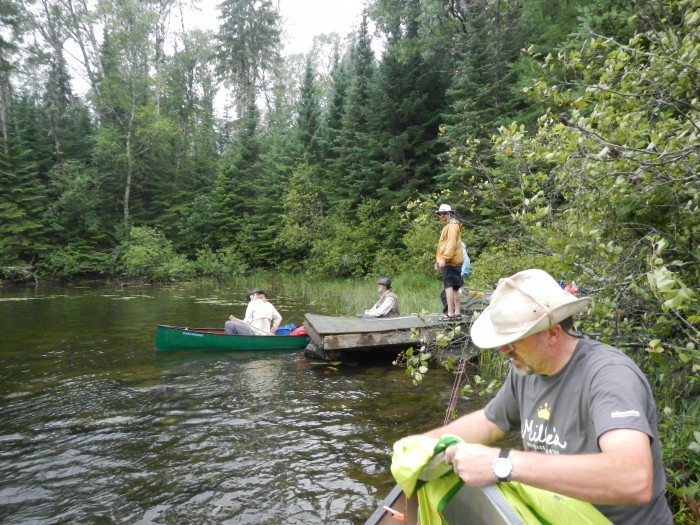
[537, 434]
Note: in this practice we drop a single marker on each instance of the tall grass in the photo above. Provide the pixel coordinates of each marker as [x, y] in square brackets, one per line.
[417, 294]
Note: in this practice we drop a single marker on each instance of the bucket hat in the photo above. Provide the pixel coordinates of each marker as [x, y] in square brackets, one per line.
[521, 305]
[444, 208]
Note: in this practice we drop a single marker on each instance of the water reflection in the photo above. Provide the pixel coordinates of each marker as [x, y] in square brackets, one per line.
[97, 427]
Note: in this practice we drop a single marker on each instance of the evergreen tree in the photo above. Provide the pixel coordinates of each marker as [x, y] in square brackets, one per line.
[355, 177]
[249, 43]
[302, 212]
[330, 130]
[408, 101]
[9, 30]
[188, 93]
[481, 94]
[308, 116]
[244, 203]
[23, 181]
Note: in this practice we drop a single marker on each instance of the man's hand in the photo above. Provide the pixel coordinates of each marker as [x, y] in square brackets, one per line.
[473, 463]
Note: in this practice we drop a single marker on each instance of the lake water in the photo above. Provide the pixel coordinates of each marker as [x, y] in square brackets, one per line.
[97, 427]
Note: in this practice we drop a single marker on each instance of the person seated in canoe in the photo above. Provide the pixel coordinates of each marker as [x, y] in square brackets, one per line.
[261, 317]
[388, 304]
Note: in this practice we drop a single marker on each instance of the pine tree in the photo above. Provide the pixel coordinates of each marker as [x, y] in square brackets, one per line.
[354, 175]
[249, 43]
[23, 185]
[308, 115]
[408, 101]
[9, 28]
[330, 130]
[244, 197]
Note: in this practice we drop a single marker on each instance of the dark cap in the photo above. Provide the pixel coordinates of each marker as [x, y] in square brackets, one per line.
[385, 281]
[254, 291]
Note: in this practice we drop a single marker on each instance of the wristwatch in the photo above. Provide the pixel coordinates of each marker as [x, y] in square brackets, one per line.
[502, 467]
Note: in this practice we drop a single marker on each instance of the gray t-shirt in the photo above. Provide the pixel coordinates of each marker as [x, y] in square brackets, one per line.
[599, 389]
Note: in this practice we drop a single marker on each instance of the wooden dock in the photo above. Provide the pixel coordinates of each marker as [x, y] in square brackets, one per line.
[474, 299]
[333, 338]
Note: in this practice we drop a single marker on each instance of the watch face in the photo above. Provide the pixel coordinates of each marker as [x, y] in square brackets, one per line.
[502, 467]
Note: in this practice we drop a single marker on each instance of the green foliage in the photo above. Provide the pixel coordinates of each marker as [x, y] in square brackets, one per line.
[497, 261]
[421, 234]
[608, 193]
[678, 430]
[76, 213]
[147, 254]
[301, 216]
[74, 261]
[222, 264]
[604, 191]
[408, 97]
[309, 116]
[417, 362]
[446, 347]
[347, 247]
[477, 385]
[23, 199]
[353, 174]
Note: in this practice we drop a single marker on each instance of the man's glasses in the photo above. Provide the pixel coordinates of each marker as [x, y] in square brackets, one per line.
[443, 213]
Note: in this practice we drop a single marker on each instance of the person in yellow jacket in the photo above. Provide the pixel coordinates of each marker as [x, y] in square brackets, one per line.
[448, 260]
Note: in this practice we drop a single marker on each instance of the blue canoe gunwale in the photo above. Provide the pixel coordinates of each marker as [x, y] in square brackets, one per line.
[184, 338]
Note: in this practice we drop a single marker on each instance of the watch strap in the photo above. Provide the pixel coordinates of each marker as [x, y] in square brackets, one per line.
[503, 455]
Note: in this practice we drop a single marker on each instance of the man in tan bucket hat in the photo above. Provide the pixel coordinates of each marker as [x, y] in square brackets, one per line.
[584, 410]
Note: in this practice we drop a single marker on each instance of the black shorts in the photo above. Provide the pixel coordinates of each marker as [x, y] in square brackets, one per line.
[452, 277]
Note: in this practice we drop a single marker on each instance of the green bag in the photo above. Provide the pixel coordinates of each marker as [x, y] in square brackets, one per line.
[418, 467]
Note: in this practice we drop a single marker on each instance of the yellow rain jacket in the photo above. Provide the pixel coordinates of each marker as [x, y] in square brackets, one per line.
[439, 485]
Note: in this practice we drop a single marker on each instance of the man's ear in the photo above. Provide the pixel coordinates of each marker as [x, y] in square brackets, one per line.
[556, 331]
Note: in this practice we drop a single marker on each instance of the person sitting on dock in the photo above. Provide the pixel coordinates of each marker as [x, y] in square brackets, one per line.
[388, 304]
[584, 409]
[261, 317]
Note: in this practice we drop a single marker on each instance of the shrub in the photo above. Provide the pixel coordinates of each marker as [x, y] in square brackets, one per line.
[69, 262]
[147, 254]
[222, 264]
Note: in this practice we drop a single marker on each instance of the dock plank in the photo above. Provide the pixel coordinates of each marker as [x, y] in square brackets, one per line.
[349, 333]
[332, 336]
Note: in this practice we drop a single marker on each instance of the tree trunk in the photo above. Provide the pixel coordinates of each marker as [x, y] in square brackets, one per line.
[129, 176]
[4, 98]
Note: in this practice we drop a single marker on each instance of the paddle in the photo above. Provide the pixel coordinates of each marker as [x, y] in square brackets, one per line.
[258, 330]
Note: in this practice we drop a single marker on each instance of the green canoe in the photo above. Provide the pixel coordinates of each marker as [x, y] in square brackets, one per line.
[180, 338]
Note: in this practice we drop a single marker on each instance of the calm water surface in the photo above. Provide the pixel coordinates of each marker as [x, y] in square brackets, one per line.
[97, 427]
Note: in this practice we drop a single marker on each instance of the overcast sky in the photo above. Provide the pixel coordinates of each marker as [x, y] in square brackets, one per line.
[304, 19]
